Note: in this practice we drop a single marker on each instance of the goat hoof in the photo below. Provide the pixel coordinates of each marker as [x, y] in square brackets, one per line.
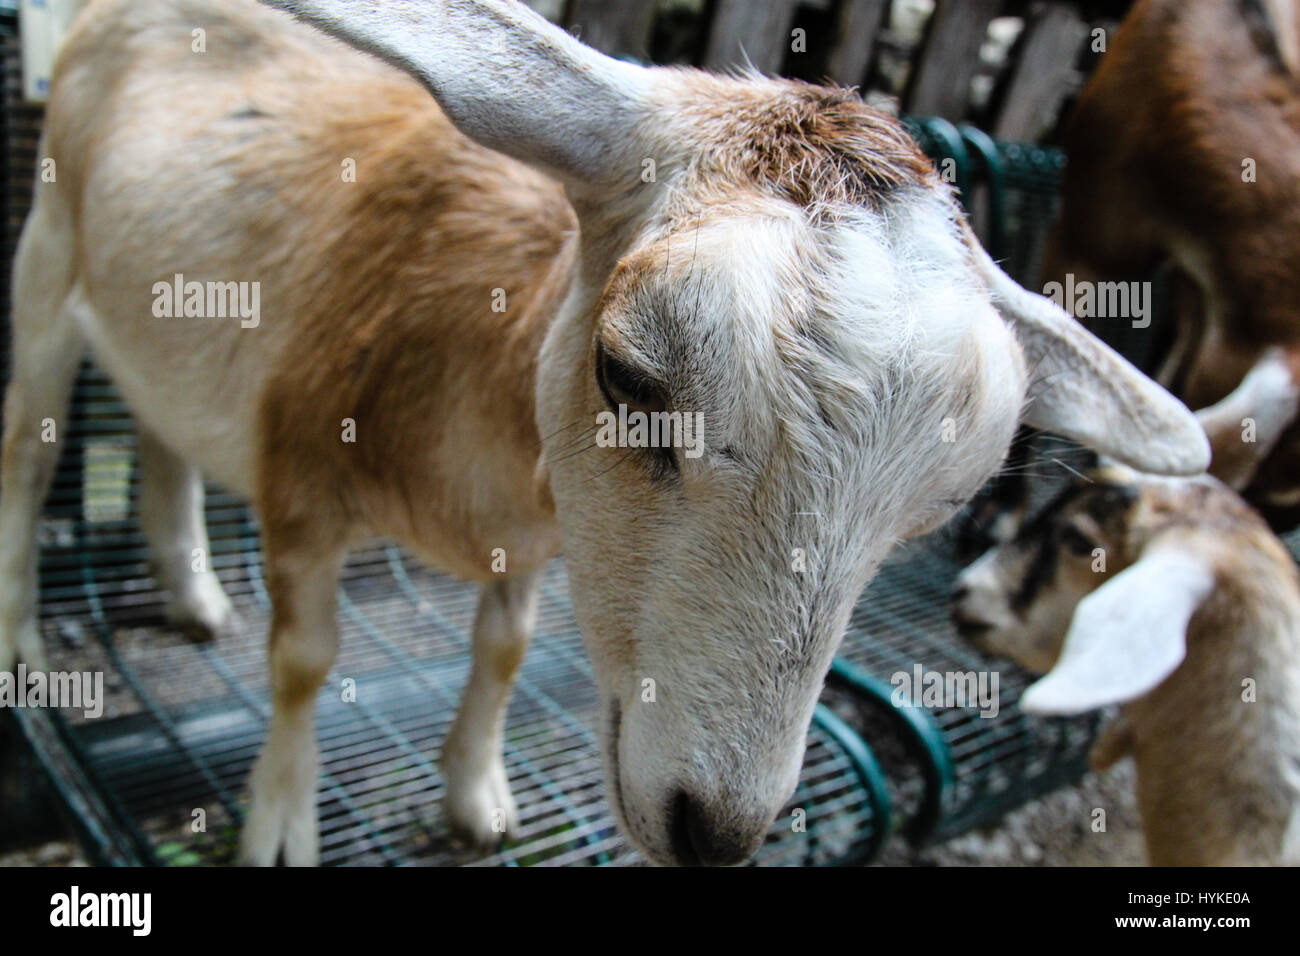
[483, 814]
[279, 836]
[23, 644]
[281, 825]
[202, 620]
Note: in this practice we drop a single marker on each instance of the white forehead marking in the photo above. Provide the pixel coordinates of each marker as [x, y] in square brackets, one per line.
[887, 282]
[881, 289]
[839, 346]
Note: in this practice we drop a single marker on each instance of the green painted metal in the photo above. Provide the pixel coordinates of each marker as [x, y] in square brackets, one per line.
[107, 836]
[870, 776]
[983, 145]
[943, 142]
[921, 734]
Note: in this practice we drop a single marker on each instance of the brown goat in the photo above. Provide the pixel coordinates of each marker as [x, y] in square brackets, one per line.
[1184, 149]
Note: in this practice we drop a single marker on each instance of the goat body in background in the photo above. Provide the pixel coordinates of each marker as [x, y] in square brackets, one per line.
[1184, 149]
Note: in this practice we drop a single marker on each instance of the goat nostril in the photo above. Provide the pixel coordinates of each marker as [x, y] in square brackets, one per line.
[960, 592]
[680, 826]
[696, 841]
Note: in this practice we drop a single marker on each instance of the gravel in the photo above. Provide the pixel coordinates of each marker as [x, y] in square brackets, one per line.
[1055, 830]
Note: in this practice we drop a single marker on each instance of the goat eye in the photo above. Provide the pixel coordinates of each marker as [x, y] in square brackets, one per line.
[1076, 542]
[622, 384]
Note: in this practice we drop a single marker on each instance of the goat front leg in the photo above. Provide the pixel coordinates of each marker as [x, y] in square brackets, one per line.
[478, 803]
[47, 350]
[303, 645]
[33, 397]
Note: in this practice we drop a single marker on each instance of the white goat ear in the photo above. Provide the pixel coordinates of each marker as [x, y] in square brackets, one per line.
[1269, 399]
[1128, 635]
[1083, 390]
[506, 76]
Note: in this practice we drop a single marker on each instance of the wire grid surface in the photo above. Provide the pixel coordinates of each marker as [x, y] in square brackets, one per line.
[1032, 177]
[997, 762]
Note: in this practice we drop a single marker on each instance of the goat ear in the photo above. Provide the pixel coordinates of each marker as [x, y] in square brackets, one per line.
[1128, 635]
[1269, 398]
[1081, 389]
[506, 76]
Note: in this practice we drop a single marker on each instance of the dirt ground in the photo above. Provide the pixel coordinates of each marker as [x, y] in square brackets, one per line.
[1055, 830]
[47, 854]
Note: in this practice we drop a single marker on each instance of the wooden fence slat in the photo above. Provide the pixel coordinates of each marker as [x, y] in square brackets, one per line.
[753, 31]
[858, 24]
[1043, 75]
[949, 58]
[614, 26]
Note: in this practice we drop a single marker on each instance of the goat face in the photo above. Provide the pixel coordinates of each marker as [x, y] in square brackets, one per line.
[778, 262]
[1018, 599]
[852, 387]
[1100, 589]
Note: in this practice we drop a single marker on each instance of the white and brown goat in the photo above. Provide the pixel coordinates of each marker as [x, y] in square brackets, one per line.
[1171, 597]
[774, 256]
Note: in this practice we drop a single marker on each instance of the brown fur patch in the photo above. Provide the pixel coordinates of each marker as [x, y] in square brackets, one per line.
[814, 146]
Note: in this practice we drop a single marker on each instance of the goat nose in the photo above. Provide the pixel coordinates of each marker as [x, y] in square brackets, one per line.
[959, 592]
[699, 841]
